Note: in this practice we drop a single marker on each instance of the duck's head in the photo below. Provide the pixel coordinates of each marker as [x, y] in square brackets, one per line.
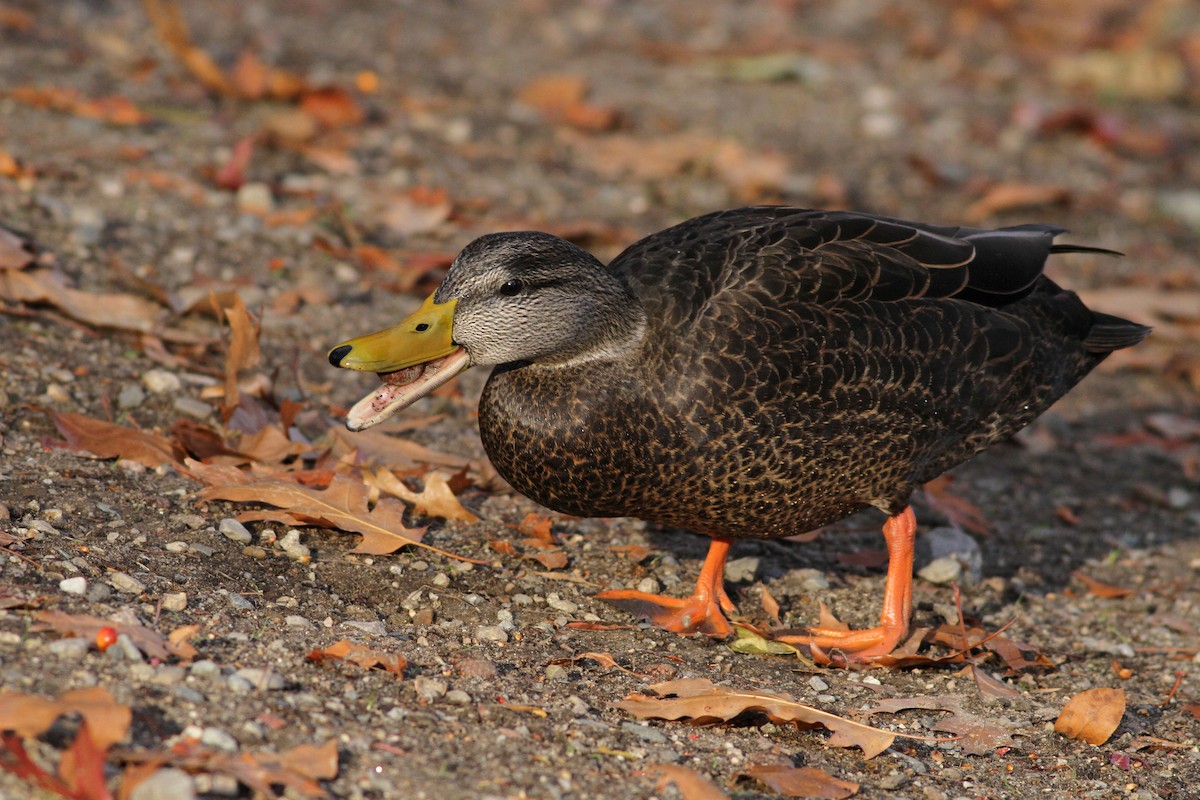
[508, 297]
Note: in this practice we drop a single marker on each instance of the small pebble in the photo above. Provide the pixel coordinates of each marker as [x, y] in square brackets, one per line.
[215, 737]
[176, 547]
[491, 633]
[174, 601]
[429, 688]
[71, 649]
[556, 672]
[255, 198]
[742, 570]
[292, 547]
[159, 381]
[817, 685]
[458, 697]
[240, 603]
[522, 599]
[190, 695]
[557, 603]
[168, 675]
[165, 784]
[205, 668]
[126, 583]
[441, 579]
[196, 548]
[263, 679]
[235, 531]
[645, 733]
[369, 628]
[124, 648]
[76, 585]
[942, 571]
[192, 407]
[649, 586]
[130, 396]
[254, 551]
[297, 621]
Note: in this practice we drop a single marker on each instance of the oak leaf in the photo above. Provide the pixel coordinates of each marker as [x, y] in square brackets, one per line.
[1092, 716]
[342, 505]
[435, 500]
[701, 702]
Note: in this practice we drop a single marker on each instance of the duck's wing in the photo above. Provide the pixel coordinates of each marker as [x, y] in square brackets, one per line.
[826, 256]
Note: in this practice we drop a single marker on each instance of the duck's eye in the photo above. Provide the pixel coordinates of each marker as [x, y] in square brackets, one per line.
[512, 287]
[422, 327]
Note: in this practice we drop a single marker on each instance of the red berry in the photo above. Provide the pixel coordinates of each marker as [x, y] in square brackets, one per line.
[105, 638]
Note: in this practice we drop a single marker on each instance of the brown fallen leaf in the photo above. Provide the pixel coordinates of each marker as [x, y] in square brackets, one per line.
[107, 440]
[603, 659]
[297, 770]
[15, 251]
[376, 448]
[701, 702]
[976, 736]
[30, 715]
[113, 110]
[435, 500]
[1092, 716]
[1100, 589]
[801, 781]
[1010, 196]
[331, 107]
[691, 784]
[560, 98]
[104, 310]
[81, 774]
[361, 656]
[241, 352]
[171, 27]
[148, 640]
[342, 505]
[956, 508]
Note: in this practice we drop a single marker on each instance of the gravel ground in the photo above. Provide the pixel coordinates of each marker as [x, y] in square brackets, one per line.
[921, 109]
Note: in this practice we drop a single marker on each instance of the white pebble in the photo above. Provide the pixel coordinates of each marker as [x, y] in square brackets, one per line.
[76, 585]
[126, 583]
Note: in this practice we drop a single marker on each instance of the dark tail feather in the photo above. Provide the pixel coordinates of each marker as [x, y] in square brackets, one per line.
[1110, 333]
[1082, 248]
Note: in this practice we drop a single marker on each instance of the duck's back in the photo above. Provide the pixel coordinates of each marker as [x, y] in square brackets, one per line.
[797, 366]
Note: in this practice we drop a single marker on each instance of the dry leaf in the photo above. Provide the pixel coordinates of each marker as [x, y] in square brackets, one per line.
[171, 27]
[1100, 589]
[105, 310]
[691, 784]
[376, 448]
[975, 735]
[30, 716]
[242, 352]
[435, 500]
[1001, 197]
[148, 640]
[361, 656]
[343, 505]
[701, 702]
[114, 110]
[1092, 716]
[332, 107]
[106, 440]
[956, 508]
[801, 781]
[561, 98]
[15, 252]
[603, 659]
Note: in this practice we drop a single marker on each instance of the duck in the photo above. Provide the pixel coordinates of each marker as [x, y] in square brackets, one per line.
[753, 373]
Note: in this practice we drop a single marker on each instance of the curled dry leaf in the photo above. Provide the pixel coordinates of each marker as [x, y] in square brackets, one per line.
[691, 784]
[30, 716]
[116, 310]
[362, 656]
[1101, 589]
[1092, 716]
[801, 781]
[107, 440]
[701, 702]
[1003, 197]
[435, 500]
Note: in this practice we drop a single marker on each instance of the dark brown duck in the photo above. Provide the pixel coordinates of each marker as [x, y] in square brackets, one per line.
[751, 373]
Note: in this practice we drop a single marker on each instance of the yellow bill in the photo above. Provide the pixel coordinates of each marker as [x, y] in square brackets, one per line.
[412, 359]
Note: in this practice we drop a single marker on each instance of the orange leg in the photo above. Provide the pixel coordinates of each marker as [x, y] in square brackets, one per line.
[700, 613]
[899, 532]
